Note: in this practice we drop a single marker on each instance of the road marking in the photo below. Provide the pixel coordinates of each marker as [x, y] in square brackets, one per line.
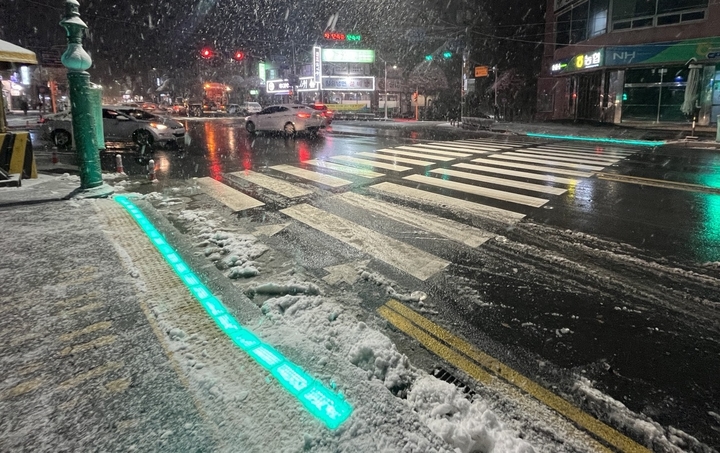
[394, 159]
[435, 346]
[90, 374]
[363, 173]
[276, 185]
[103, 325]
[233, 199]
[439, 226]
[547, 162]
[72, 300]
[22, 388]
[590, 152]
[586, 155]
[492, 143]
[520, 174]
[559, 171]
[481, 191]
[412, 154]
[414, 325]
[405, 257]
[23, 338]
[471, 146]
[434, 151]
[658, 183]
[370, 163]
[424, 197]
[118, 385]
[591, 146]
[319, 178]
[83, 309]
[96, 343]
[500, 181]
[563, 158]
[466, 149]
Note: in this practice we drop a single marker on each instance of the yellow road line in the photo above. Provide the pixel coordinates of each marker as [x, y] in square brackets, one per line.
[22, 388]
[103, 325]
[658, 183]
[83, 309]
[95, 372]
[582, 419]
[435, 346]
[96, 343]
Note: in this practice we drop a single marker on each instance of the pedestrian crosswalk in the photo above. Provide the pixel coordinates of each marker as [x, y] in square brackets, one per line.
[458, 191]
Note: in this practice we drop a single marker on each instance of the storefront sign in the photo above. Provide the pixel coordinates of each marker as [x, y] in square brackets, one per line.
[308, 84]
[317, 65]
[348, 55]
[348, 83]
[278, 86]
[668, 52]
[579, 62]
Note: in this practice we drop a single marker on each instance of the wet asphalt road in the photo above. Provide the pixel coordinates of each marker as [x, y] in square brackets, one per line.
[611, 281]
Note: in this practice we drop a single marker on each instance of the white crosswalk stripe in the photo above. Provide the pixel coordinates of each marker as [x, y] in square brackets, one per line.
[320, 178]
[234, 199]
[519, 174]
[564, 158]
[453, 204]
[412, 154]
[284, 188]
[434, 151]
[500, 181]
[481, 191]
[439, 226]
[463, 146]
[409, 259]
[459, 149]
[547, 162]
[558, 171]
[491, 143]
[365, 163]
[588, 146]
[363, 173]
[589, 153]
[395, 159]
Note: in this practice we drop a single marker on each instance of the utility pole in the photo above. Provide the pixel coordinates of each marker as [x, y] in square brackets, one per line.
[84, 116]
[386, 90]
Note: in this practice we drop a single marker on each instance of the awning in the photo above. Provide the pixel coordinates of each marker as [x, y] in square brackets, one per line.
[10, 53]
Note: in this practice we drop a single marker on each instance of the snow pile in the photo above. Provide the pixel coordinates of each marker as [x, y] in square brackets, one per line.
[470, 427]
[639, 425]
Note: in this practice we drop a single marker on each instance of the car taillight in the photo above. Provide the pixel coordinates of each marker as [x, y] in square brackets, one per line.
[303, 115]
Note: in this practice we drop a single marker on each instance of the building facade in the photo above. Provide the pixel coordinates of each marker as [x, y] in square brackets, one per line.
[617, 61]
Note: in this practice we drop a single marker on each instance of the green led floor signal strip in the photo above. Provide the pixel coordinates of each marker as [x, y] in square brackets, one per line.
[324, 404]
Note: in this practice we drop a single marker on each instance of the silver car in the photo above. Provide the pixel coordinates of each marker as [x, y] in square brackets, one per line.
[287, 118]
[118, 127]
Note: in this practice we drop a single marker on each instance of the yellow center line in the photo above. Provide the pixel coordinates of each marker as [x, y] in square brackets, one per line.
[400, 315]
[95, 372]
[103, 325]
[96, 343]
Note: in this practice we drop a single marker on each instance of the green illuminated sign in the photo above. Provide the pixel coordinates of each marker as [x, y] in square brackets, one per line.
[348, 55]
[324, 404]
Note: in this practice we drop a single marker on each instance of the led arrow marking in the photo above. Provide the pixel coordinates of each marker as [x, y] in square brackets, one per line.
[324, 404]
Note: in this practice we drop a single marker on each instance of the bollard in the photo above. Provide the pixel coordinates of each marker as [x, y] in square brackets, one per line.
[119, 164]
[151, 170]
[54, 157]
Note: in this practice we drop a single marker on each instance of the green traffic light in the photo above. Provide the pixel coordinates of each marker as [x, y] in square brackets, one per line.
[428, 57]
[447, 54]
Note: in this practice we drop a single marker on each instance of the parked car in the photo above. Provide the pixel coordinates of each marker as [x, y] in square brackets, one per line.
[326, 113]
[118, 127]
[248, 108]
[178, 109]
[177, 128]
[287, 118]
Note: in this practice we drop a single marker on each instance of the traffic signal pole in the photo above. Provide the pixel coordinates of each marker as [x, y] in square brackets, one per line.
[76, 60]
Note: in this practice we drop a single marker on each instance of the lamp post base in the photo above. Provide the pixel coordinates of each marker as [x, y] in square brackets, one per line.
[101, 191]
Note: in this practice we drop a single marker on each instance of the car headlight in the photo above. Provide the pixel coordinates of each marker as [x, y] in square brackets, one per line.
[160, 127]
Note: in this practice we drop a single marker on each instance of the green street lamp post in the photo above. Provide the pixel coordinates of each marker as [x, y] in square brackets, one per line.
[76, 60]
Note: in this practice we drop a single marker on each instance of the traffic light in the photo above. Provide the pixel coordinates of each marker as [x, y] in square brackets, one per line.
[207, 53]
[239, 55]
[428, 57]
[447, 54]
[415, 96]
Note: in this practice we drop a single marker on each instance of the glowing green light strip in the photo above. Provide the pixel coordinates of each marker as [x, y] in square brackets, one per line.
[324, 404]
[599, 139]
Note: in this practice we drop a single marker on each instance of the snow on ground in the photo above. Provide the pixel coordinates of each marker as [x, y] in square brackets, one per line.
[324, 334]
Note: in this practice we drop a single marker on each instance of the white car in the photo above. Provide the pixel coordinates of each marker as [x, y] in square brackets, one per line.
[118, 127]
[287, 118]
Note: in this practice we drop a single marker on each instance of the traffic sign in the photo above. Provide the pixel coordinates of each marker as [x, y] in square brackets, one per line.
[481, 71]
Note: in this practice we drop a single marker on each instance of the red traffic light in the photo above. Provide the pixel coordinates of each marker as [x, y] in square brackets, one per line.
[239, 55]
[206, 52]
